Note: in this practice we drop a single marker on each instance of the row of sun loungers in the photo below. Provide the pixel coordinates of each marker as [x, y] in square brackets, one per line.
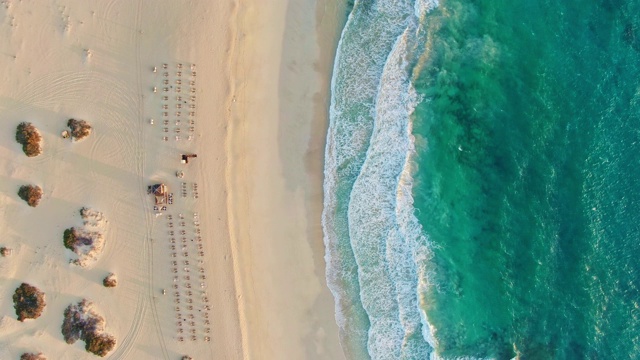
[187, 274]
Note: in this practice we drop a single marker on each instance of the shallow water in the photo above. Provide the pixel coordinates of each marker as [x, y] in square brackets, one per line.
[480, 180]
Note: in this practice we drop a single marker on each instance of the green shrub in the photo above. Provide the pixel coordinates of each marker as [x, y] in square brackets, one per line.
[69, 239]
[99, 344]
[28, 301]
[110, 280]
[31, 194]
[80, 129]
[29, 137]
[81, 322]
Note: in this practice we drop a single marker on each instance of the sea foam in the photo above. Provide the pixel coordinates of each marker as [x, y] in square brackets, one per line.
[374, 244]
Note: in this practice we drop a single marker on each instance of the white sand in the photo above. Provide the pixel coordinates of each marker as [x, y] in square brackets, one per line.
[261, 87]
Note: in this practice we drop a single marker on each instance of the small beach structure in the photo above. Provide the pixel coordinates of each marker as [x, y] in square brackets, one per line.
[186, 157]
[160, 193]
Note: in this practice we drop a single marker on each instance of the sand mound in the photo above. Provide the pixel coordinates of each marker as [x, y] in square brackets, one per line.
[92, 218]
[87, 241]
[82, 322]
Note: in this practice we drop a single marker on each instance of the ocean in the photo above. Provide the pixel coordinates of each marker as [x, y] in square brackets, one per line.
[482, 193]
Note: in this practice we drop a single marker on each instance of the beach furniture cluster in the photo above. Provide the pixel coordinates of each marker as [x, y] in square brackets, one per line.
[177, 88]
[189, 286]
[187, 292]
[184, 190]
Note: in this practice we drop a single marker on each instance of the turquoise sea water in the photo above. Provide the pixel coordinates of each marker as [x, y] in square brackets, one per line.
[482, 193]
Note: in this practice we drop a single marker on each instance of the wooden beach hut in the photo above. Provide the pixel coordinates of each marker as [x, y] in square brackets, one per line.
[160, 193]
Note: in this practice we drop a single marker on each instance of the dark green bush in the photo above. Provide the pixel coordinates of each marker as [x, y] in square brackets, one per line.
[31, 194]
[80, 129]
[28, 301]
[69, 238]
[99, 344]
[110, 280]
[81, 322]
[29, 137]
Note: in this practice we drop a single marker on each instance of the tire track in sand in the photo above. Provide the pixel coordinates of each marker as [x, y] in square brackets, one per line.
[140, 170]
[125, 346]
[138, 158]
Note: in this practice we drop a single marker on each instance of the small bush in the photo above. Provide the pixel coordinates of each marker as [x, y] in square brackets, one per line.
[29, 137]
[69, 238]
[28, 301]
[110, 281]
[32, 356]
[5, 251]
[80, 129]
[31, 194]
[99, 344]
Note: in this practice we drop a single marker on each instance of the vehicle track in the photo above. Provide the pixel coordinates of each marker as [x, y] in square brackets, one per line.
[141, 166]
[125, 346]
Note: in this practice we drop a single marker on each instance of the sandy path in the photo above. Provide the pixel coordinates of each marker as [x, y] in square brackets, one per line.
[278, 120]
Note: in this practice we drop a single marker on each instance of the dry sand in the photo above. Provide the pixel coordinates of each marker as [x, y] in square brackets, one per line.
[261, 101]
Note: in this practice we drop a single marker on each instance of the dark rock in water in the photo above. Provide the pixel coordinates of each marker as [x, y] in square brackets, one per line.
[630, 36]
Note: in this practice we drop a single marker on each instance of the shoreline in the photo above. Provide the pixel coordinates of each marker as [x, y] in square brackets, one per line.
[263, 194]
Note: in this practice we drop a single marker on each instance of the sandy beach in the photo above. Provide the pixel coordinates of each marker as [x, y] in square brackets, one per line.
[233, 268]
